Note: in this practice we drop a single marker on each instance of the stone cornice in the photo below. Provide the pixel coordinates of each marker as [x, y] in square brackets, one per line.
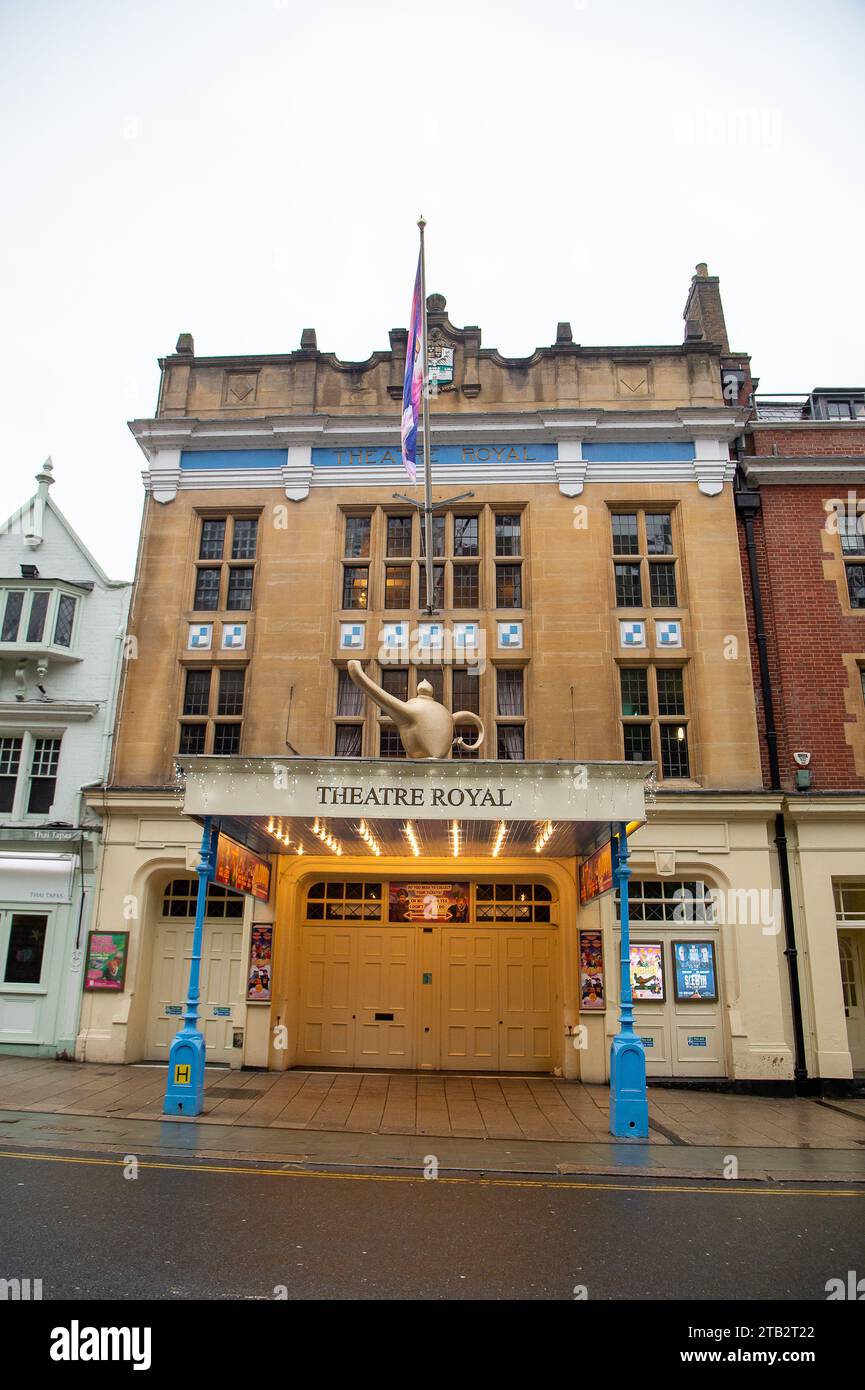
[774, 469]
[590, 423]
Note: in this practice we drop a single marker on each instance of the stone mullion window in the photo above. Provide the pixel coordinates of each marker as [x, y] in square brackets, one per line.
[508, 552]
[654, 716]
[225, 562]
[212, 709]
[645, 559]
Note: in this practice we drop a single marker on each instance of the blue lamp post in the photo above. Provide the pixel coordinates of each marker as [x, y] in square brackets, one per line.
[629, 1102]
[184, 1093]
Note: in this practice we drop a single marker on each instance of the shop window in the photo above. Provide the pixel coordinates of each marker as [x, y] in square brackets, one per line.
[26, 948]
[344, 902]
[181, 895]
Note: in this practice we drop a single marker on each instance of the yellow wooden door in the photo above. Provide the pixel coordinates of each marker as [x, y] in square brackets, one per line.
[328, 977]
[357, 997]
[527, 999]
[169, 983]
[385, 997]
[469, 1010]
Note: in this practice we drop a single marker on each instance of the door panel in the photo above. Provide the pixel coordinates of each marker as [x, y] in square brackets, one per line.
[357, 997]
[527, 975]
[498, 999]
[221, 976]
[681, 1039]
[360, 990]
[469, 1003]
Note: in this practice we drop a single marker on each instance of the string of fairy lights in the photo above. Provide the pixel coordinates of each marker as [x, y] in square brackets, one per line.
[279, 831]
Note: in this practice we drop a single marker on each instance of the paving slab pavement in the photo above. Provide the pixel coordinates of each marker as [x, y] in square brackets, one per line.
[486, 1123]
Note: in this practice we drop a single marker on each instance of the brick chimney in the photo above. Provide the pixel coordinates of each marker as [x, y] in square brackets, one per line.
[704, 312]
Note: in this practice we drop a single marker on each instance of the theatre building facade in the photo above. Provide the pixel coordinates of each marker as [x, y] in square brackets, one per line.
[588, 611]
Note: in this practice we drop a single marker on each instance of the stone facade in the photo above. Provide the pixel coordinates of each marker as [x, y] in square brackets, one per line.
[555, 449]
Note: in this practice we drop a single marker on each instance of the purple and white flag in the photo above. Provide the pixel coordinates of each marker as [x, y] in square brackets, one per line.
[412, 387]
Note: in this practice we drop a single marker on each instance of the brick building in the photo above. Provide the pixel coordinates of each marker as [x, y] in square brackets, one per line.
[802, 514]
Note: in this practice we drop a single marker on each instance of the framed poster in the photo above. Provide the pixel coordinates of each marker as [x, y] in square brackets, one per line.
[593, 993]
[105, 971]
[428, 902]
[259, 977]
[238, 868]
[695, 978]
[596, 874]
[647, 971]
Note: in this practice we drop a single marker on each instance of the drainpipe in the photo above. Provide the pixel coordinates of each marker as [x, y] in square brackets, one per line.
[748, 504]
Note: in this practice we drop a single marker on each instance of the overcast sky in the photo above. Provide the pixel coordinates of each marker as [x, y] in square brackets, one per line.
[241, 171]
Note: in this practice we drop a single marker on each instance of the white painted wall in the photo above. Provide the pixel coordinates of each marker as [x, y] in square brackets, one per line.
[97, 638]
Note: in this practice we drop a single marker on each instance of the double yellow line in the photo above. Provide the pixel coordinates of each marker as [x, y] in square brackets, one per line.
[730, 1187]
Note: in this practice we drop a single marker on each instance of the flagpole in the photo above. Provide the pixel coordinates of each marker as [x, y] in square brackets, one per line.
[427, 466]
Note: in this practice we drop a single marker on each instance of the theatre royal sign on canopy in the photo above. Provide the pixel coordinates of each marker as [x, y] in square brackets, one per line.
[436, 790]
